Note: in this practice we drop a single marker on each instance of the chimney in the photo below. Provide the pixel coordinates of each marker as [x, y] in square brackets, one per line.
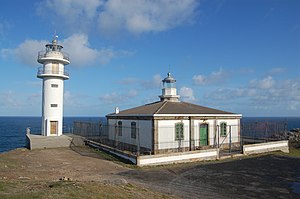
[117, 110]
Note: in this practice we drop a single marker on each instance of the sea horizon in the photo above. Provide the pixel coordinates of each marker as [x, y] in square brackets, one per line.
[13, 128]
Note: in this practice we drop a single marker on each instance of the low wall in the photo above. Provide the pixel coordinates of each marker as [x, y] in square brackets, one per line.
[46, 142]
[210, 154]
[111, 150]
[266, 147]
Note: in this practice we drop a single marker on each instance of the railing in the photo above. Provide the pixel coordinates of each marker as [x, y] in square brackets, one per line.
[57, 54]
[42, 71]
[132, 139]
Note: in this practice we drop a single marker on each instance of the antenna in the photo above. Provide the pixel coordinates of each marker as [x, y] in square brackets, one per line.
[55, 37]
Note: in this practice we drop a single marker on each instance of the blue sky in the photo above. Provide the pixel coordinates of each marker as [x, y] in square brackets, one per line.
[241, 56]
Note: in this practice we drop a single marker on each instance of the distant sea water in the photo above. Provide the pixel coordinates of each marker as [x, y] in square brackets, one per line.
[13, 129]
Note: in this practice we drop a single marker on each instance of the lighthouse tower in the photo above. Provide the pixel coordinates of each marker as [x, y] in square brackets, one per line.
[53, 74]
[169, 91]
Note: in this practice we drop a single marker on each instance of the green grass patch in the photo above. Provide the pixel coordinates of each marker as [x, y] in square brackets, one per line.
[294, 152]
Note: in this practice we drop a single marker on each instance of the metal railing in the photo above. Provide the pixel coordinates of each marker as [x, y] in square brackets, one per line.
[122, 137]
[57, 54]
[43, 71]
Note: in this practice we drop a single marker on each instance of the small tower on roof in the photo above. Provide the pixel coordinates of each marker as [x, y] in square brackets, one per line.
[53, 74]
[169, 91]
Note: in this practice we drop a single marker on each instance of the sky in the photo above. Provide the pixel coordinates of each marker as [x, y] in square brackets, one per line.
[241, 56]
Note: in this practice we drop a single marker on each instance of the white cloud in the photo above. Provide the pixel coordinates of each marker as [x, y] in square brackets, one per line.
[115, 16]
[81, 54]
[132, 93]
[155, 82]
[26, 52]
[199, 80]
[34, 99]
[76, 15]
[187, 94]
[138, 16]
[70, 99]
[18, 103]
[265, 83]
[277, 70]
[4, 27]
[9, 99]
[128, 80]
[117, 98]
[213, 78]
[265, 94]
[77, 46]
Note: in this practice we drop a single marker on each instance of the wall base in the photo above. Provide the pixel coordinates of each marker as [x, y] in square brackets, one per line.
[46, 142]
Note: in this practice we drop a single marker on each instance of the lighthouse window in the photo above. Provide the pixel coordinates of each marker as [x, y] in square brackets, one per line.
[53, 105]
[54, 85]
[55, 68]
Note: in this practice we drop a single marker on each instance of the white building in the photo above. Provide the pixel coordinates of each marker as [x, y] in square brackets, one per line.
[53, 74]
[170, 125]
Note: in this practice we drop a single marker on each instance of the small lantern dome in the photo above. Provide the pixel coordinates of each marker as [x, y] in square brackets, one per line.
[169, 81]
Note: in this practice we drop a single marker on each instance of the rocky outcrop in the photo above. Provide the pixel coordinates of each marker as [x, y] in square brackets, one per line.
[294, 137]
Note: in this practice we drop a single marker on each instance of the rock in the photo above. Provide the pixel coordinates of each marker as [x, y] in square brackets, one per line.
[23, 177]
[120, 181]
[117, 181]
[294, 137]
[65, 179]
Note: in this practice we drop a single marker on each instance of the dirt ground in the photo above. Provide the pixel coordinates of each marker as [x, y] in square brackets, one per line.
[268, 176]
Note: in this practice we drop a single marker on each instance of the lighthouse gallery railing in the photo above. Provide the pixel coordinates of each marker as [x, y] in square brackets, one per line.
[42, 71]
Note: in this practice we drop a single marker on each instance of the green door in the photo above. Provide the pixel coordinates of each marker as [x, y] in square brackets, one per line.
[203, 134]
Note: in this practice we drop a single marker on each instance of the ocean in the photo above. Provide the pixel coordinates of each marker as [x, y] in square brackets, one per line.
[13, 129]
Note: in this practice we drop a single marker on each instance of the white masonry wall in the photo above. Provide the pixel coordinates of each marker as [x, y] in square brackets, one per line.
[232, 125]
[166, 134]
[52, 95]
[144, 132]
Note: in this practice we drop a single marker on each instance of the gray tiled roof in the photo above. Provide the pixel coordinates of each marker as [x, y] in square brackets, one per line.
[168, 107]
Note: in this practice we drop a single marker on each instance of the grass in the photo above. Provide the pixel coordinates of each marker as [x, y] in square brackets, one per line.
[61, 189]
[294, 152]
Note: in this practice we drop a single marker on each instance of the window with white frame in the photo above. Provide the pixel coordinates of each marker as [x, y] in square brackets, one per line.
[179, 131]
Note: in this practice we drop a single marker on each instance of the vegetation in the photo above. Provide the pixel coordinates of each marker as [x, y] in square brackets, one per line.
[62, 189]
[294, 152]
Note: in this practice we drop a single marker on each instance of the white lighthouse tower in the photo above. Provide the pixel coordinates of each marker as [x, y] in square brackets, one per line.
[53, 74]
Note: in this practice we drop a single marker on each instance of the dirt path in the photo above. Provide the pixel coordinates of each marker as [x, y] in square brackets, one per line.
[270, 176]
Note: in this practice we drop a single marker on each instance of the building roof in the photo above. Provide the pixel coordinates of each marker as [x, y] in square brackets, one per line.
[170, 108]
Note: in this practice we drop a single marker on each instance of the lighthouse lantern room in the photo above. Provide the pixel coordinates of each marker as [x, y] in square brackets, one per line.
[53, 74]
[169, 91]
